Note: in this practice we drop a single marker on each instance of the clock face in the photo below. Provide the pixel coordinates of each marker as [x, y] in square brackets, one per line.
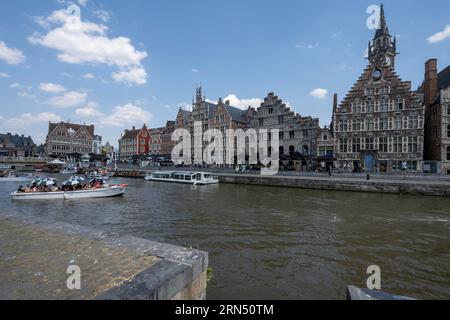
[376, 74]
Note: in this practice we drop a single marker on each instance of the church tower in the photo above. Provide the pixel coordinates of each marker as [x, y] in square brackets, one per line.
[382, 50]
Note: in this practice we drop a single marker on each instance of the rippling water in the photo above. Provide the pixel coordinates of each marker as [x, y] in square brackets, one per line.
[276, 243]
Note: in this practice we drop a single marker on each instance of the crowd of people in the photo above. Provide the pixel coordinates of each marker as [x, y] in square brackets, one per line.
[90, 185]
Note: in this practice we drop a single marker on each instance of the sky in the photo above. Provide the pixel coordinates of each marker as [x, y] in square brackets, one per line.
[118, 64]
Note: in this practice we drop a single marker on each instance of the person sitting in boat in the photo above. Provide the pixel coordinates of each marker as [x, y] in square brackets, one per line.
[21, 189]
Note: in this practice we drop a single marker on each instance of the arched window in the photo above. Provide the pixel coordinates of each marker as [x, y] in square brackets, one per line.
[305, 150]
[291, 150]
[281, 150]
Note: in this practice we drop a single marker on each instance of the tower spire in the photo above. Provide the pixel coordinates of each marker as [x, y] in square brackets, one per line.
[382, 27]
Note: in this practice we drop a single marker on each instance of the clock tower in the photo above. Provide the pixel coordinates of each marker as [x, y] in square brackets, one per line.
[382, 50]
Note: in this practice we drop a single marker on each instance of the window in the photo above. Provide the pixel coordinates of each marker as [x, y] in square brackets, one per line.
[222, 118]
[370, 126]
[217, 119]
[356, 107]
[370, 107]
[384, 106]
[448, 153]
[412, 144]
[356, 145]
[343, 125]
[305, 134]
[398, 145]
[291, 134]
[400, 104]
[448, 131]
[383, 145]
[343, 145]
[281, 135]
[413, 122]
[384, 124]
[270, 110]
[280, 119]
[398, 124]
[325, 138]
[261, 122]
[370, 144]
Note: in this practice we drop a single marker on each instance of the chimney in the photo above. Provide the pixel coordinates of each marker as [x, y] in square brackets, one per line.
[335, 103]
[431, 81]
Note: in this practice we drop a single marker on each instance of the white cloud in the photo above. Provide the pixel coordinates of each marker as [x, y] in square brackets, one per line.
[82, 2]
[51, 88]
[319, 93]
[27, 119]
[24, 94]
[4, 75]
[440, 36]
[243, 103]
[68, 99]
[134, 75]
[89, 111]
[103, 15]
[81, 42]
[88, 76]
[17, 85]
[307, 46]
[127, 115]
[11, 55]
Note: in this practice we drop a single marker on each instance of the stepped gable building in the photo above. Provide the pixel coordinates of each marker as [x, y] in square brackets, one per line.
[183, 120]
[298, 135]
[167, 144]
[16, 146]
[134, 142]
[436, 89]
[379, 126]
[67, 139]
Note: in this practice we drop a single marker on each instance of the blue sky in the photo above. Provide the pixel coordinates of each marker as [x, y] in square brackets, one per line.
[127, 62]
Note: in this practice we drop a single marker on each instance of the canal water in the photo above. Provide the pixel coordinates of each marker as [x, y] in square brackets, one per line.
[276, 243]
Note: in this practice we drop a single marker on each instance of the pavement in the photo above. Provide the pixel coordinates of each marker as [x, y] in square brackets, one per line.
[35, 257]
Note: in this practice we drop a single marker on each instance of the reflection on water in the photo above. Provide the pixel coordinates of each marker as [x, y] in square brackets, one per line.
[276, 243]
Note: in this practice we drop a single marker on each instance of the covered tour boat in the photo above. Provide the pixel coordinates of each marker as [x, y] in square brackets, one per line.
[107, 192]
[195, 178]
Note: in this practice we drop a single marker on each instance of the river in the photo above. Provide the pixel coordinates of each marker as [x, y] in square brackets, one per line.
[277, 243]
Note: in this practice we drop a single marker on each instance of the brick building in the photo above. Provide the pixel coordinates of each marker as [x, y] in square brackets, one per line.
[134, 142]
[67, 139]
[298, 135]
[16, 146]
[379, 126]
[436, 90]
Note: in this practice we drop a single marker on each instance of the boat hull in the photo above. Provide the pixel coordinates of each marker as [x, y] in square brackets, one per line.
[99, 193]
[38, 196]
[115, 191]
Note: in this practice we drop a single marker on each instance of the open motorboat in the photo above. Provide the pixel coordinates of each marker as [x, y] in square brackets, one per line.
[195, 178]
[105, 192]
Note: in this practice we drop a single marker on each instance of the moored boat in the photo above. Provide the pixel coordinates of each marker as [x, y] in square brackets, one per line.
[107, 192]
[195, 178]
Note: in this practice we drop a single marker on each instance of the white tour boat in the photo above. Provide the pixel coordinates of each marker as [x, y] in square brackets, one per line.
[112, 191]
[195, 178]
[69, 170]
